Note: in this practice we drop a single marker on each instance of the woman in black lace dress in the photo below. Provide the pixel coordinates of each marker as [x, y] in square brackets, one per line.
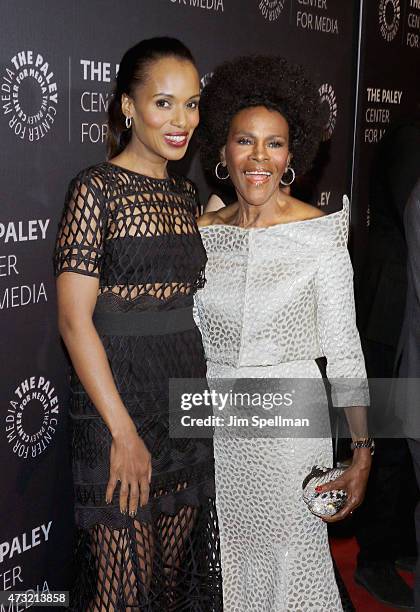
[129, 259]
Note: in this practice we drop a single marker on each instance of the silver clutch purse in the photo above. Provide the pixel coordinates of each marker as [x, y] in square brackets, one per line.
[323, 504]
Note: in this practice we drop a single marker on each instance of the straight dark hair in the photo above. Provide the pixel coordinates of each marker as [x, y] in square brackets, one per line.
[132, 72]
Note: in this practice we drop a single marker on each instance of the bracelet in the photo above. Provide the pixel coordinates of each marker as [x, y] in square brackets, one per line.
[364, 443]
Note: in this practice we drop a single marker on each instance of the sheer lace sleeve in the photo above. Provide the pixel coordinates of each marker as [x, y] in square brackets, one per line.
[79, 245]
[338, 334]
[192, 192]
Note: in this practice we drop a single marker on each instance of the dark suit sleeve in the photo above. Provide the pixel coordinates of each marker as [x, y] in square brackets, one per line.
[404, 164]
[407, 392]
[412, 228]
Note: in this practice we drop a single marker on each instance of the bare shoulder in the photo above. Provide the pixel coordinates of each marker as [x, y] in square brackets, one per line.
[305, 211]
[207, 219]
[214, 203]
[218, 217]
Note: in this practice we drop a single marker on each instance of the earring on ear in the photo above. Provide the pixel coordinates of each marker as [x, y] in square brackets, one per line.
[287, 183]
[128, 122]
[216, 171]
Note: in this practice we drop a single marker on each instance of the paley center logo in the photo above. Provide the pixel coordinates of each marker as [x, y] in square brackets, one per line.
[271, 9]
[29, 95]
[327, 95]
[389, 18]
[32, 417]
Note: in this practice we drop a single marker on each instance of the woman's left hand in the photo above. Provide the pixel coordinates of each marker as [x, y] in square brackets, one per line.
[353, 481]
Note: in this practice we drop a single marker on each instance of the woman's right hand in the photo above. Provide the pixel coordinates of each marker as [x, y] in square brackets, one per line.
[130, 463]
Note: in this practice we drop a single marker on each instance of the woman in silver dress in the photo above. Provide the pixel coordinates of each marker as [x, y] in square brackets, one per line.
[279, 295]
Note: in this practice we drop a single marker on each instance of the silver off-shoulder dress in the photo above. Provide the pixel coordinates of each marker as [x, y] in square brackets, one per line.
[275, 300]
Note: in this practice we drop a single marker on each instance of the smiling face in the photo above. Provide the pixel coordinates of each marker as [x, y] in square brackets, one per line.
[164, 109]
[257, 153]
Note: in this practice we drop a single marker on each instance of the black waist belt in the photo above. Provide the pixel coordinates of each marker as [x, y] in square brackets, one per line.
[148, 323]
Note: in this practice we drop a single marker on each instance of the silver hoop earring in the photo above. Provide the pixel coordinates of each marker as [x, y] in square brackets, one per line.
[128, 122]
[287, 183]
[216, 171]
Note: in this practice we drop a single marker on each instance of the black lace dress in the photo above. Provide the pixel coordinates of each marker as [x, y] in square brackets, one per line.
[139, 236]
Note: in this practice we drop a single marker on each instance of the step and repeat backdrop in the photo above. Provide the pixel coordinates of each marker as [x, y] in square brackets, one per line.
[388, 95]
[57, 65]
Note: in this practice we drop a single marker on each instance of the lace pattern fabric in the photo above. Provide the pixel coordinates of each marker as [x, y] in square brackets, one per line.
[138, 236]
[291, 302]
[292, 298]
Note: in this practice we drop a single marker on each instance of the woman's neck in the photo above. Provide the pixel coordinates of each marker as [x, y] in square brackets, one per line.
[142, 160]
[261, 215]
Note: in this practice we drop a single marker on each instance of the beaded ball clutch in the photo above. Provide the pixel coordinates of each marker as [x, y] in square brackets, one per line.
[323, 504]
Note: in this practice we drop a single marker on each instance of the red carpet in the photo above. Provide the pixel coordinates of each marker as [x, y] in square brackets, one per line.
[345, 551]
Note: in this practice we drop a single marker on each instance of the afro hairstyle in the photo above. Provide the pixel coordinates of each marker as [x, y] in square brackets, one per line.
[267, 81]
